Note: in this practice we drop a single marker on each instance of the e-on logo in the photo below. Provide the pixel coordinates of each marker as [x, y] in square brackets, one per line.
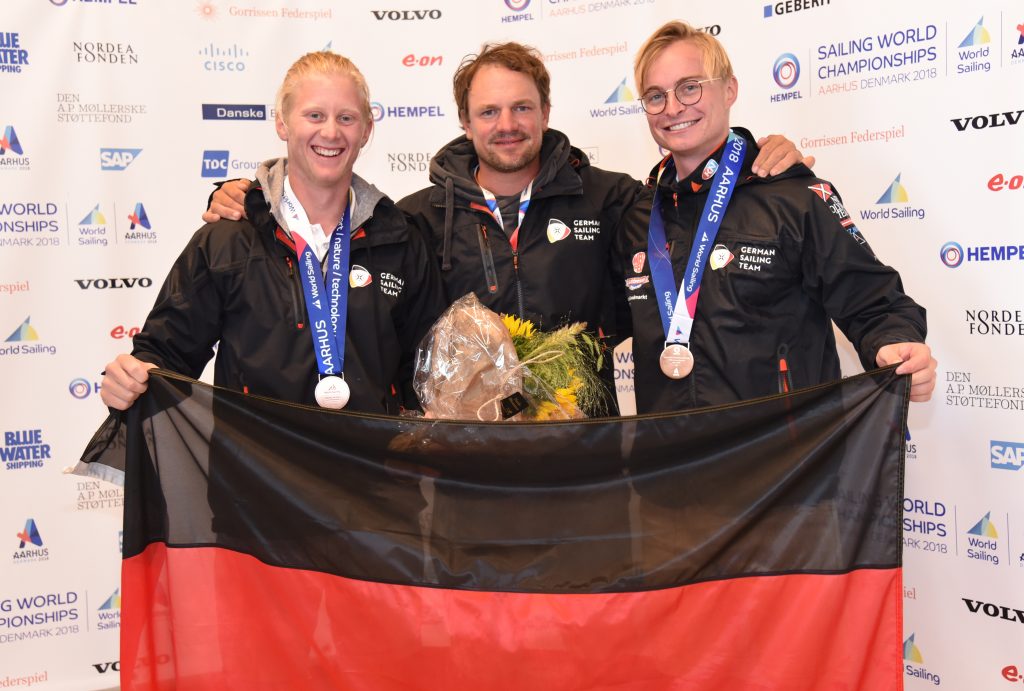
[952, 254]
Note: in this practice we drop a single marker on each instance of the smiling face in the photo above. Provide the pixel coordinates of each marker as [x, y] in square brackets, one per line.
[324, 124]
[506, 122]
[690, 133]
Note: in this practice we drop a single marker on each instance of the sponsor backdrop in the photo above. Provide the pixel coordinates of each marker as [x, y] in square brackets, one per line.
[118, 114]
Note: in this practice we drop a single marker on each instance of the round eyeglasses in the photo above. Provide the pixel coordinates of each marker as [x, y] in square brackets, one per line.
[688, 92]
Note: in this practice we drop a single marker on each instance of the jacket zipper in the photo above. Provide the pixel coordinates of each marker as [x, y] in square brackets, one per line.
[519, 284]
[299, 323]
[490, 273]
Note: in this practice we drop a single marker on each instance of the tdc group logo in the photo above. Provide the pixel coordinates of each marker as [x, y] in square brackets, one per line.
[215, 163]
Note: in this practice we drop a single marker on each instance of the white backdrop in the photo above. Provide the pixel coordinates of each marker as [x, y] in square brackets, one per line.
[111, 138]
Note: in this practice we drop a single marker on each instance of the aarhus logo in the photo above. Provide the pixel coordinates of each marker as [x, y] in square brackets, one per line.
[139, 217]
[982, 541]
[952, 254]
[1006, 455]
[9, 142]
[895, 193]
[30, 535]
[973, 53]
[12, 55]
[140, 229]
[117, 159]
[1017, 54]
[11, 151]
[30, 544]
[914, 659]
[621, 101]
[786, 73]
[24, 448]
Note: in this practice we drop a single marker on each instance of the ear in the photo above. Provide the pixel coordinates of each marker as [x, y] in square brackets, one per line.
[366, 134]
[732, 91]
[545, 111]
[282, 129]
[464, 124]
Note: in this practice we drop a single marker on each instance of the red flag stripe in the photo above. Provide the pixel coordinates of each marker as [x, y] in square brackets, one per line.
[211, 618]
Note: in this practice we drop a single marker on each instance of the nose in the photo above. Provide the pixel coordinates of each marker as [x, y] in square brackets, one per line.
[330, 128]
[506, 120]
[672, 104]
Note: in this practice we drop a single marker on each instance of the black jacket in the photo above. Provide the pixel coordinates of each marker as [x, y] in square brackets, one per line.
[237, 284]
[552, 283]
[789, 260]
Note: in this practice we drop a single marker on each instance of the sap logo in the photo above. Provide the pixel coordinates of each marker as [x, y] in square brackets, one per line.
[1006, 455]
[980, 122]
[405, 15]
[104, 667]
[223, 111]
[117, 159]
[124, 331]
[105, 283]
[215, 164]
[994, 611]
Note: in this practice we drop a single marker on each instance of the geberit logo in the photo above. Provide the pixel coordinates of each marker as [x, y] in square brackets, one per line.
[791, 6]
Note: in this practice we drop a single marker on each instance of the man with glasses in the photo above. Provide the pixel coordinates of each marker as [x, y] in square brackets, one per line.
[733, 280]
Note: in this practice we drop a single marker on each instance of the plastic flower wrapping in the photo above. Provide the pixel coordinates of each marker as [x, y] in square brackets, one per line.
[477, 365]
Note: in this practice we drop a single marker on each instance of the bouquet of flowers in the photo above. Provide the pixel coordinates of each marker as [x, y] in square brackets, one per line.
[475, 365]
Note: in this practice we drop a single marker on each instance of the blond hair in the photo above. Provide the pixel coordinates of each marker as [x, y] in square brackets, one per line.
[716, 61]
[323, 62]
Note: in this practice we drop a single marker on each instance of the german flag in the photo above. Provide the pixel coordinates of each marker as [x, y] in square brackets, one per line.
[746, 547]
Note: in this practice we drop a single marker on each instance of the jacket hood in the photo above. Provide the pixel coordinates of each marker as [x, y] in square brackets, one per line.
[271, 174]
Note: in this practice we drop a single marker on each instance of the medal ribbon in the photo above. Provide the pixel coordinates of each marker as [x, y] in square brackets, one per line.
[677, 321]
[326, 300]
[495, 211]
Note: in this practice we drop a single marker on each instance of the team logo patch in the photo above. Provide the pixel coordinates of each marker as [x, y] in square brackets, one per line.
[823, 190]
[557, 230]
[720, 257]
[709, 170]
[634, 282]
[638, 261]
[359, 277]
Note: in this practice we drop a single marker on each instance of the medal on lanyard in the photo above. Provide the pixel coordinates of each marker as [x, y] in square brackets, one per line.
[326, 304]
[495, 211]
[678, 308]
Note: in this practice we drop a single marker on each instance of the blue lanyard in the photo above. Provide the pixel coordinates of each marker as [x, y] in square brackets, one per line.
[327, 302]
[676, 321]
[495, 212]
